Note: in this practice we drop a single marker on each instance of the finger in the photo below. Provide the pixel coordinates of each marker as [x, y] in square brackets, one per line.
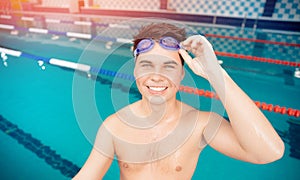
[187, 48]
[205, 41]
[186, 45]
[196, 43]
[192, 43]
[186, 57]
[188, 41]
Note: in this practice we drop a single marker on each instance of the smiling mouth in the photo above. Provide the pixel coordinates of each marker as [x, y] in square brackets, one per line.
[157, 88]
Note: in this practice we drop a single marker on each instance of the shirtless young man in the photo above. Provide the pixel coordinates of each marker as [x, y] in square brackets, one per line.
[159, 137]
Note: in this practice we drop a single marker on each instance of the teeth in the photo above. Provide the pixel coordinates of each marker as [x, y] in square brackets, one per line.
[157, 88]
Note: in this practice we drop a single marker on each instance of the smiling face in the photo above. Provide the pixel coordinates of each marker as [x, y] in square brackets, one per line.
[158, 74]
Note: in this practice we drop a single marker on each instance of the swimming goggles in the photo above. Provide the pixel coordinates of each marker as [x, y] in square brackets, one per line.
[147, 44]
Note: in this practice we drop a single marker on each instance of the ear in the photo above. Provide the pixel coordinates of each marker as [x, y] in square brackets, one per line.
[134, 72]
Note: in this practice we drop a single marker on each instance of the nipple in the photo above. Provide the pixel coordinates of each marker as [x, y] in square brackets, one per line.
[125, 165]
[178, 168]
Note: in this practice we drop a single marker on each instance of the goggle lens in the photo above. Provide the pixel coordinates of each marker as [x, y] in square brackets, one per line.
[145, 45]
[169, 43]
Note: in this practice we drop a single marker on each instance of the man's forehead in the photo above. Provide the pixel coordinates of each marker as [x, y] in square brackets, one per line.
[156, 58]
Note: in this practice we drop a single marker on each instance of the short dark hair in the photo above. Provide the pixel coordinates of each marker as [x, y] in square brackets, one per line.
[156, 31]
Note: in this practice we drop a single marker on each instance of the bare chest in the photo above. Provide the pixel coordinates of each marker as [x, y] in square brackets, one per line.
[167, 158]
[177, 165]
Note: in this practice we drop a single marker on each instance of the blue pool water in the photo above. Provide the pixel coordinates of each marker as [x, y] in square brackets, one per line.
[41, 134]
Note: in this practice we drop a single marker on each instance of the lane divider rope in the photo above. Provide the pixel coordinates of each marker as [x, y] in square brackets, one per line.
[89, 69]
[261, 105]
[129, 41]
[45, 152]
[89, 23]
[259, 59]
[253, 40]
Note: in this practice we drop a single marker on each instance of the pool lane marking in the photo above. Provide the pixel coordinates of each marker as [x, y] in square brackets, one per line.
[24, 18]
[71, 65]
[79, 35]
[10, 52]
[6, 26]
[50, 156]
[38, 30]
[5, 16]
[86, 23]
[52, 21]
[123, 40]
[122, 26]
[53, 61]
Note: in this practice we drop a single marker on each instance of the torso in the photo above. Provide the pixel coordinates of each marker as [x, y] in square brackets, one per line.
[168, 152]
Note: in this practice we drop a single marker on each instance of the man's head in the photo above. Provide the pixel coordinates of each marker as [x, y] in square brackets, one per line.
[159, 69]
[157, 31]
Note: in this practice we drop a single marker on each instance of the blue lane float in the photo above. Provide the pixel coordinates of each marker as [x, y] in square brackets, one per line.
[67, 64]
[53, 61]
[34, 57]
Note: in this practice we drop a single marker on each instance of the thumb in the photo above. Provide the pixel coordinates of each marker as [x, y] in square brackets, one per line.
[186, 57]
[194, 64]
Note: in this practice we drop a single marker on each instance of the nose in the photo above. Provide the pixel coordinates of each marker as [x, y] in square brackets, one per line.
[156, 77]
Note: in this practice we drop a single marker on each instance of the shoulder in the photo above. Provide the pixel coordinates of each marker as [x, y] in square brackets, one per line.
[112, 121]
[116, 121]
[204, 118]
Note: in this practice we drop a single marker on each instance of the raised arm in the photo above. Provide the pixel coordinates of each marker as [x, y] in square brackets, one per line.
[100, 157]
[249, 136]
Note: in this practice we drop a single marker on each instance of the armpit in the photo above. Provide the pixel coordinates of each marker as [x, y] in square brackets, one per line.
[211, 129]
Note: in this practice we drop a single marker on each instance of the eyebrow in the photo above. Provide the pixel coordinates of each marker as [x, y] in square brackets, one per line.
[171, 62]
[150, 62]
[145, 61]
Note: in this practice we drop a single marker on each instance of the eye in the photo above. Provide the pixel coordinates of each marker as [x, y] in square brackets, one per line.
[146, 65]
[169, 67]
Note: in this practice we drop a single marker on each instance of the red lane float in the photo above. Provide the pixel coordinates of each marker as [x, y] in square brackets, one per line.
[261, 105]
[259, 59]
[253, 40]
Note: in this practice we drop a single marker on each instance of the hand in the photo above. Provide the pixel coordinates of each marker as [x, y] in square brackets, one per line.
[205, 60]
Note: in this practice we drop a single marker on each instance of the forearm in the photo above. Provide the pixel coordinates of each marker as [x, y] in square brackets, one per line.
[255, 136]
[254, 132]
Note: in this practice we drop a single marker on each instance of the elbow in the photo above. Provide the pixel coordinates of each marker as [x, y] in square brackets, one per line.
[273, 155]
[278, 152]
[269, 160]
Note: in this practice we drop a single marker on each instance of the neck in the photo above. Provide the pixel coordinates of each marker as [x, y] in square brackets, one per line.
[163, 110]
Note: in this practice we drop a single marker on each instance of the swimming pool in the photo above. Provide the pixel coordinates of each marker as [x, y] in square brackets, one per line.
[42, 137]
